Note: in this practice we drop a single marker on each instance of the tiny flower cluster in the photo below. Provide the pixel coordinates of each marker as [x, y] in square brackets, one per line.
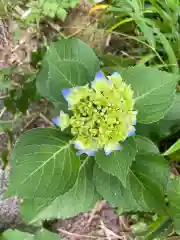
[102, 114]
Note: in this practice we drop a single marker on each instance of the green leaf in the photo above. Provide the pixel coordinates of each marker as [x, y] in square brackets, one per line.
[174, 148]
[174, 200]
[118, 163]
[148, 181]
[43, 165]
[4, 125]
[145, 145]
[145, 189]
[169, 50]
[17, 235]
[43, 234]
[42, 81]
[158, 227]
[173, 113]
[80, 198]
[61, 13]
[167, 126]
[154, 91]
[31, 207]
[68, 63]
[113, 191]
[147, 31]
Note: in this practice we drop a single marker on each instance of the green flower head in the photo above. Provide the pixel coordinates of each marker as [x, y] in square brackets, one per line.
[102, 114]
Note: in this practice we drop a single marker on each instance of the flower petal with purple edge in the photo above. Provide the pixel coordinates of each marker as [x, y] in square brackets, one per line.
[56, 120]
[116, 74]
[79, 145]
[100, 76]
[66, 93]
[131, 132]
[134, 122]
[112, 147]
[100, 82]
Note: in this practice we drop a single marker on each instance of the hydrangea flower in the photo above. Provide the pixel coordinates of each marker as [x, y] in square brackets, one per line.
[102, 115]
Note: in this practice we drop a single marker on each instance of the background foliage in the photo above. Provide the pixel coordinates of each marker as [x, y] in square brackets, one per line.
[46, 173]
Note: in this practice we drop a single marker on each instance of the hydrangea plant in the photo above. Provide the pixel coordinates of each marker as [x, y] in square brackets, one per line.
[102, 115]
[91, 152]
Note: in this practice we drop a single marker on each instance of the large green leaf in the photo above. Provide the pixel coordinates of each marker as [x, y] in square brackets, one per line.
[43, 234]
[154, 91]
[145, 189]
[80, 198]
[17, 235]
[118, 163]
[68, 62]
[43, 164]
[113, 191]
[174, 200]
[145, 145]
[42, 81]
[31, 207]
[167, 126]
[148, 181]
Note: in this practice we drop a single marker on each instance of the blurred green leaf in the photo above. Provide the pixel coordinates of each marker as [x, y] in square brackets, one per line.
[114, 192]
[118, 163]
[80, 198]
[154, 91]
[17, 235]
[4, 125]
[67, 63]
[174, 199]
[167, 126]
[145, 189]
[148, 181]
[44, 165]
[145, 145]
[174, 148]
[42, 234]
[158, 227]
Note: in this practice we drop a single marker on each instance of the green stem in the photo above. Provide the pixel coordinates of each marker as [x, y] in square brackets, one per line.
[126, 20]
[158, 227]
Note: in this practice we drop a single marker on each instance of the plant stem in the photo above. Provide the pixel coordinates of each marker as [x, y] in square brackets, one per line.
[158, 227]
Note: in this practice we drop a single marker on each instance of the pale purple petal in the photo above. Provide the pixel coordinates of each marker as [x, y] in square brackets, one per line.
[108, 152]
[131, 132]
[112, 147]
[118, 147]
[100, 76]
[78, 153]
[56, 120]
[78, 145]
[90, 153]
[66, 93]
[93, 83]
[134, 122]
[116, 74]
